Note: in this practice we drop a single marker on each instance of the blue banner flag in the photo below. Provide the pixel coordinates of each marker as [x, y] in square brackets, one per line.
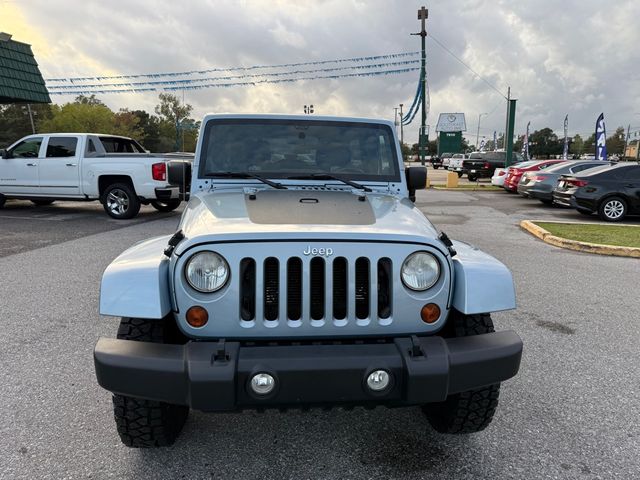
[525, 144]
[565, 151]
[601, 139]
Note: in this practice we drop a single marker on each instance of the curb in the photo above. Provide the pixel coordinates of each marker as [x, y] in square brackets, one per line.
[586, 247]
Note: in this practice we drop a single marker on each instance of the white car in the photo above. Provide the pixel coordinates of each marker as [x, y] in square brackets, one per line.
[118, 171]
[499, 175]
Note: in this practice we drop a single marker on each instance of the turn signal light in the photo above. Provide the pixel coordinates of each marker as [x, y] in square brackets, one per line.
[197, 316]
[430, 313]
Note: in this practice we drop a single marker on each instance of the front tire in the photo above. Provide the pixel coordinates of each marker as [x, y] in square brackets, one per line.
[166, 205]
[147, 423]
[473, 410]
[613, 209]
[460, 174]
[472, 178]
[120, 201]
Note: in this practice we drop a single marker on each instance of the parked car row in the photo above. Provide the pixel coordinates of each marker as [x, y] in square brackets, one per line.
[612, 190]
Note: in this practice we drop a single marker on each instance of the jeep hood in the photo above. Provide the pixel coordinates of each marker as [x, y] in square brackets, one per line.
[302, 215]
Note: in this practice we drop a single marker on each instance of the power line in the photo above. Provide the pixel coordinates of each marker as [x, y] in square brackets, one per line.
[439, 43]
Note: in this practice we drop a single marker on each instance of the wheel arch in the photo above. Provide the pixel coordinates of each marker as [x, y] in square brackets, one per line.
[105, 180]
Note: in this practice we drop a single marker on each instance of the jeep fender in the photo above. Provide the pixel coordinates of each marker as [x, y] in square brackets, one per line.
[482, 284]
[136, 284]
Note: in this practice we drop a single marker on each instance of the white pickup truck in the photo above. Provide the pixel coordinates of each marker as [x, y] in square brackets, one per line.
[115, 170]
[455, 164]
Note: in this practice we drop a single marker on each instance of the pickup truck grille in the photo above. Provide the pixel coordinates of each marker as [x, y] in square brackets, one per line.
[318, 289]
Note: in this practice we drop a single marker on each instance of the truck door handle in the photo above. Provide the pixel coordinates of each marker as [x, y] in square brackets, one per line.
[32, 165]
[72, 164]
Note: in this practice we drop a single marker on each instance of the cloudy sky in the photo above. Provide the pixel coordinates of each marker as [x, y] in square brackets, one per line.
[580, 57]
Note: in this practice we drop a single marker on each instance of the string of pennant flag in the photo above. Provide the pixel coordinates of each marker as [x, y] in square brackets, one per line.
[229, 69]
[188, 81]
[174, 85]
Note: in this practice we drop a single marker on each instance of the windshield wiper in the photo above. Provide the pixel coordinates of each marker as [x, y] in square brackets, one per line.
[277, 185]
[326, 176]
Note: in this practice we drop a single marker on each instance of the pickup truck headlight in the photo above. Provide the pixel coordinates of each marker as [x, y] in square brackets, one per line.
[420, 271]
[206, 272]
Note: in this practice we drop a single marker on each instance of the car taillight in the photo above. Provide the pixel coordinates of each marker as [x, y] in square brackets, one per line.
[578, 183]
[539, 178]
[502, 172]
[486, 165]
[159, 171]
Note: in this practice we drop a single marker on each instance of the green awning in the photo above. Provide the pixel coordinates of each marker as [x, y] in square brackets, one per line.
[20, 78]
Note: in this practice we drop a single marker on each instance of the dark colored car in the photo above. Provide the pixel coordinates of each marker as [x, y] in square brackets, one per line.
[483, 164]
[436, 162]
[515, 173]
[540, 185]
[613, 191]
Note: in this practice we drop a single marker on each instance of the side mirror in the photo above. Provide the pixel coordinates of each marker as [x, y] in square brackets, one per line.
[4, 153]
[416, 180]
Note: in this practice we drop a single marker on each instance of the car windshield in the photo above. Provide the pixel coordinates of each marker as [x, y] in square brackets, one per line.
[279, 148]
[595, 171]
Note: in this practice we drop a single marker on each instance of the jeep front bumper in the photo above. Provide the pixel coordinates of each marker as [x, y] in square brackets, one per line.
[215, 376]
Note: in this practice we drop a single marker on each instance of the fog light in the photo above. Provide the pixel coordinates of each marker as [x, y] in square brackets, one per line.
[378, 380]
[430, 313]
[197, 316]
[263, 383]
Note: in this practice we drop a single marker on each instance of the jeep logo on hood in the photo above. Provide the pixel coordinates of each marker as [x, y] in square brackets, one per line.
[323, 252]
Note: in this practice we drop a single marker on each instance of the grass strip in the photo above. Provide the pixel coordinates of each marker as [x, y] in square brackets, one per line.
[619, 235]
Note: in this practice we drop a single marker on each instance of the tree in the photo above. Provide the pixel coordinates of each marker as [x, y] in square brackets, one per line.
[127, 124]
[576, 146]
[406, 151]
[615, 143]
[90, 100]
[590, 145]
[15, 122]
[544, 143]
[83, 117]
[173, 113]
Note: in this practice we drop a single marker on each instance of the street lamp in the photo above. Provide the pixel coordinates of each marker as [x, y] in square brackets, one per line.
[478, 132]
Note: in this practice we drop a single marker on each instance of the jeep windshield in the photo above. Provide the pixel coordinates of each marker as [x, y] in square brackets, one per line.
[301, 149]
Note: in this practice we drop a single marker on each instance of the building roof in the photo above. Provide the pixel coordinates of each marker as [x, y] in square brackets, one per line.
[20, 78]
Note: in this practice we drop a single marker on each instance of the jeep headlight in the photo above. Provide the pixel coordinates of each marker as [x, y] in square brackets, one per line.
[420, 271]
[206, 272]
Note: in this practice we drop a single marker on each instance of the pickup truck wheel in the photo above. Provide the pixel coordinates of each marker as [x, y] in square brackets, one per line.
[460, 174]
[470, 411]
[472, 178]
[166, 205]
[41, 202]
[120, 201]
[435, 167]
[146, 423]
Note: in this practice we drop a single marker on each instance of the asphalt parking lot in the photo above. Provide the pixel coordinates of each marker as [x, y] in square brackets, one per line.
[572, 412]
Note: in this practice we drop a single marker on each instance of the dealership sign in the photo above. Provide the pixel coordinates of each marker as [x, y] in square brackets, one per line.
[451, 122]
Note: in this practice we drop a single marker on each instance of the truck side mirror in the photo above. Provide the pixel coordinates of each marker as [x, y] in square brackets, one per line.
[416, 180]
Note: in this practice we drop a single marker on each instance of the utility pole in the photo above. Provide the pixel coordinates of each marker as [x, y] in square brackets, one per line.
[401, 126]
[33, 127]
[626, 141]
[478, 131]
[423, 14]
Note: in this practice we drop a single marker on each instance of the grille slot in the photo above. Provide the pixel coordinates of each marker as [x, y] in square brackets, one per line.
[247, 289]
[316, 287]
[384, 288]
[362, 288]
[271, 288]
[294, 288]
[340, 288]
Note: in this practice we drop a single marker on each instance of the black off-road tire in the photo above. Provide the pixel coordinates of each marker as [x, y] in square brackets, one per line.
[472, 178]
[41, 202]
[147, 423]
[473, 410]
[460, 174]
[166, 205]
[435, 167]
[126, 194]
[612, 209]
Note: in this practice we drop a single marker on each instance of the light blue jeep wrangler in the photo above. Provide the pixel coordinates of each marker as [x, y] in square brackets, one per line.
[302, 275]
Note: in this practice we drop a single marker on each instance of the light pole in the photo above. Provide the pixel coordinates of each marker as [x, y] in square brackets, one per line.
[478, 131]
[395, 121]
[401, 126]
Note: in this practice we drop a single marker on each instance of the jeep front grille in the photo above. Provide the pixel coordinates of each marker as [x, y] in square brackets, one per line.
[316, 289]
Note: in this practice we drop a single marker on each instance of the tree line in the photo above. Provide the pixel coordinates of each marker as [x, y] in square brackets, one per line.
[169, 129]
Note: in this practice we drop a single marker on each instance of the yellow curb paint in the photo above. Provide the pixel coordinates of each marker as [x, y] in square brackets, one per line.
[586, 247]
